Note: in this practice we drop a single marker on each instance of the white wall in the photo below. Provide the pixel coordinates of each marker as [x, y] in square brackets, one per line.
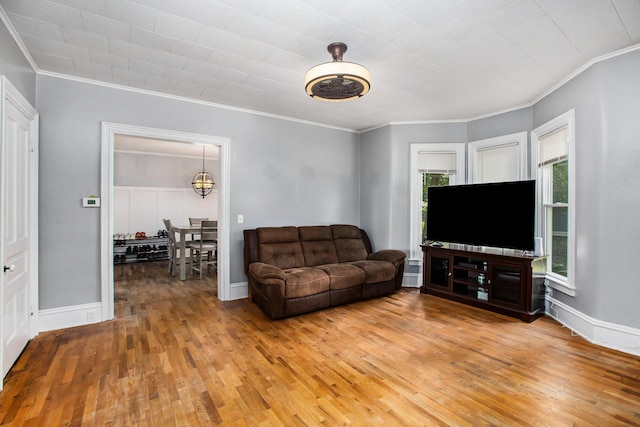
[144, 208]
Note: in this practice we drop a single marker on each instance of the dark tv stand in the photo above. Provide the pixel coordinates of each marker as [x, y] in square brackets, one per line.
[510, 284]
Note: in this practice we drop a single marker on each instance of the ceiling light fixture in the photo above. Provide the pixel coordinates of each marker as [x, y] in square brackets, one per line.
[202, 183]
[337, 80]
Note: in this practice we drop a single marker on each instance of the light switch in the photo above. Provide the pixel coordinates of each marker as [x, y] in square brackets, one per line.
[240, 218]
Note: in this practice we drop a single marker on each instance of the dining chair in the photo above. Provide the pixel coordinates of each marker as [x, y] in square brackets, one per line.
[212, 235]
[204, 252]
[196, 221]
[174, 256]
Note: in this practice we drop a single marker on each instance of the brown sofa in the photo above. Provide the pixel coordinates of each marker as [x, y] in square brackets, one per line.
[295, 270]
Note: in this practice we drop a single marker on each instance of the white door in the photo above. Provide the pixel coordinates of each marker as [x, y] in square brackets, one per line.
[17, 206]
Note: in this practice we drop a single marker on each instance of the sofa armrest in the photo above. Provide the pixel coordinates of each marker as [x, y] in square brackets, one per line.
[392, 255]
[266, 273]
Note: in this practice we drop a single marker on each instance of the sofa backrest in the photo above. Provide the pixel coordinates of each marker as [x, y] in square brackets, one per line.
[280, 246]
[290, 247]
[317, 245]
[349, 243]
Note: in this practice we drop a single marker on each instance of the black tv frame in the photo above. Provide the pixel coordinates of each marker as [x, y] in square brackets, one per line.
[500, 214]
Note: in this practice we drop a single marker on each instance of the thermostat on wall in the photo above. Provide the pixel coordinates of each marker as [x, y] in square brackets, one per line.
[91, 202]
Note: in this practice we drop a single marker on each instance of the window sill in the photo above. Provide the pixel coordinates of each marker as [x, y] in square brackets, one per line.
[560, 286]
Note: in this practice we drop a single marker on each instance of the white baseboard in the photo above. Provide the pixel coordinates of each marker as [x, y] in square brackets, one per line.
[610, 335]
[238, 290]
[68, 317]
[412, 280]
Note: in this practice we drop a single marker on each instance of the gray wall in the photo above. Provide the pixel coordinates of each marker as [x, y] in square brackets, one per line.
[15, 67]
[385, 185]
[282, 173]
[148, 170]
[606, 98]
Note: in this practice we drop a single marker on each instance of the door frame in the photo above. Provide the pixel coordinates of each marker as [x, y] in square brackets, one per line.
[8, 93]
[109, 131]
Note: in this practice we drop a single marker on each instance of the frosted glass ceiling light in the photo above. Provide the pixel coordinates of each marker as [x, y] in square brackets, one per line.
[202, 183]
[337, 80]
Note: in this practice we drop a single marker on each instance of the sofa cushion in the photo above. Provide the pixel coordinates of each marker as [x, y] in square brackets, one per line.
[317, 245]
[304, 281]
[348, 242]
[376, 271]
[343, 276]
[280, 246]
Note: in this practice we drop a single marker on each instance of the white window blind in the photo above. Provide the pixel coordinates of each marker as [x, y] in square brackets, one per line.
[554, 146]
[498, 164]
[433, 162]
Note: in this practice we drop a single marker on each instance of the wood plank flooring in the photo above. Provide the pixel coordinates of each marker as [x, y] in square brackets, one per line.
[175, 355]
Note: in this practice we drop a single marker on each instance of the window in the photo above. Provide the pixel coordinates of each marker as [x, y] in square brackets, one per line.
[499, 159]
[431, 165]
[553, 147]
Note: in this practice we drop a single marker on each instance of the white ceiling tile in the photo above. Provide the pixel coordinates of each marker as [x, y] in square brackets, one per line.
[94, 6]
[109, 60]
[145, 67]
[175, 7]
[189, 50]
[66, 50]
[127, 49]
[249, 26]
[629, 13]
[36, 28]
[151, 40]
[47, 61]
[187, 89]
[128, 76]
[177, 27]
[218, 38]
[160, 83]
[207, 12]
[46, 11]
[201, 67]
[85, 39]
[179, 75]
[102, 25]
[35, 44]
[92, 68]
[166, 59]
[226, 59]
[134, 14]
[227, 75]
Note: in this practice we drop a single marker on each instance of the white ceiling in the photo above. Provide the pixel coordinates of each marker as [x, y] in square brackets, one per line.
[429, 59]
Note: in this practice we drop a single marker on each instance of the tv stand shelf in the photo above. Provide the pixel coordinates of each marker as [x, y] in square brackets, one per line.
[506, 283]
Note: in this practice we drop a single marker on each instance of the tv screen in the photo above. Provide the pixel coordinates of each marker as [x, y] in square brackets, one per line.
[500, 214]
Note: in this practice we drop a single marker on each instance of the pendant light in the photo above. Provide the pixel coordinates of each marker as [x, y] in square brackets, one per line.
[337, 80]
[202, 183]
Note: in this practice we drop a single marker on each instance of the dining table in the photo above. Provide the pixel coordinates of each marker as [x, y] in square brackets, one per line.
[185, 230]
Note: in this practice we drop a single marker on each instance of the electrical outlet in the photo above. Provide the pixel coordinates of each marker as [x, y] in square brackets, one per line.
[240, 218]
[91, 316]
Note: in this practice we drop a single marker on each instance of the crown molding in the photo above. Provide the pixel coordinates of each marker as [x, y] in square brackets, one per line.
[185, 99]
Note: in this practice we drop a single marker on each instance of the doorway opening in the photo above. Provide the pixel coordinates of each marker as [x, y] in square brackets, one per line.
[110, 131]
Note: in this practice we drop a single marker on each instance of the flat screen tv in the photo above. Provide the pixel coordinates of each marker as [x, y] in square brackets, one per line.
[500, 215]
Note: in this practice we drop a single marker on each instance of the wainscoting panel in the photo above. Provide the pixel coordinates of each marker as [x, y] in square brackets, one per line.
[143, 208]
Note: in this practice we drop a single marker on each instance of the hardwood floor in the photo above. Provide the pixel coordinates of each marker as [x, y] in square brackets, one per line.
[175, 355]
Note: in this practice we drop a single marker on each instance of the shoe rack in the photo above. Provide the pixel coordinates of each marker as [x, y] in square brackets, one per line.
[127, 248]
